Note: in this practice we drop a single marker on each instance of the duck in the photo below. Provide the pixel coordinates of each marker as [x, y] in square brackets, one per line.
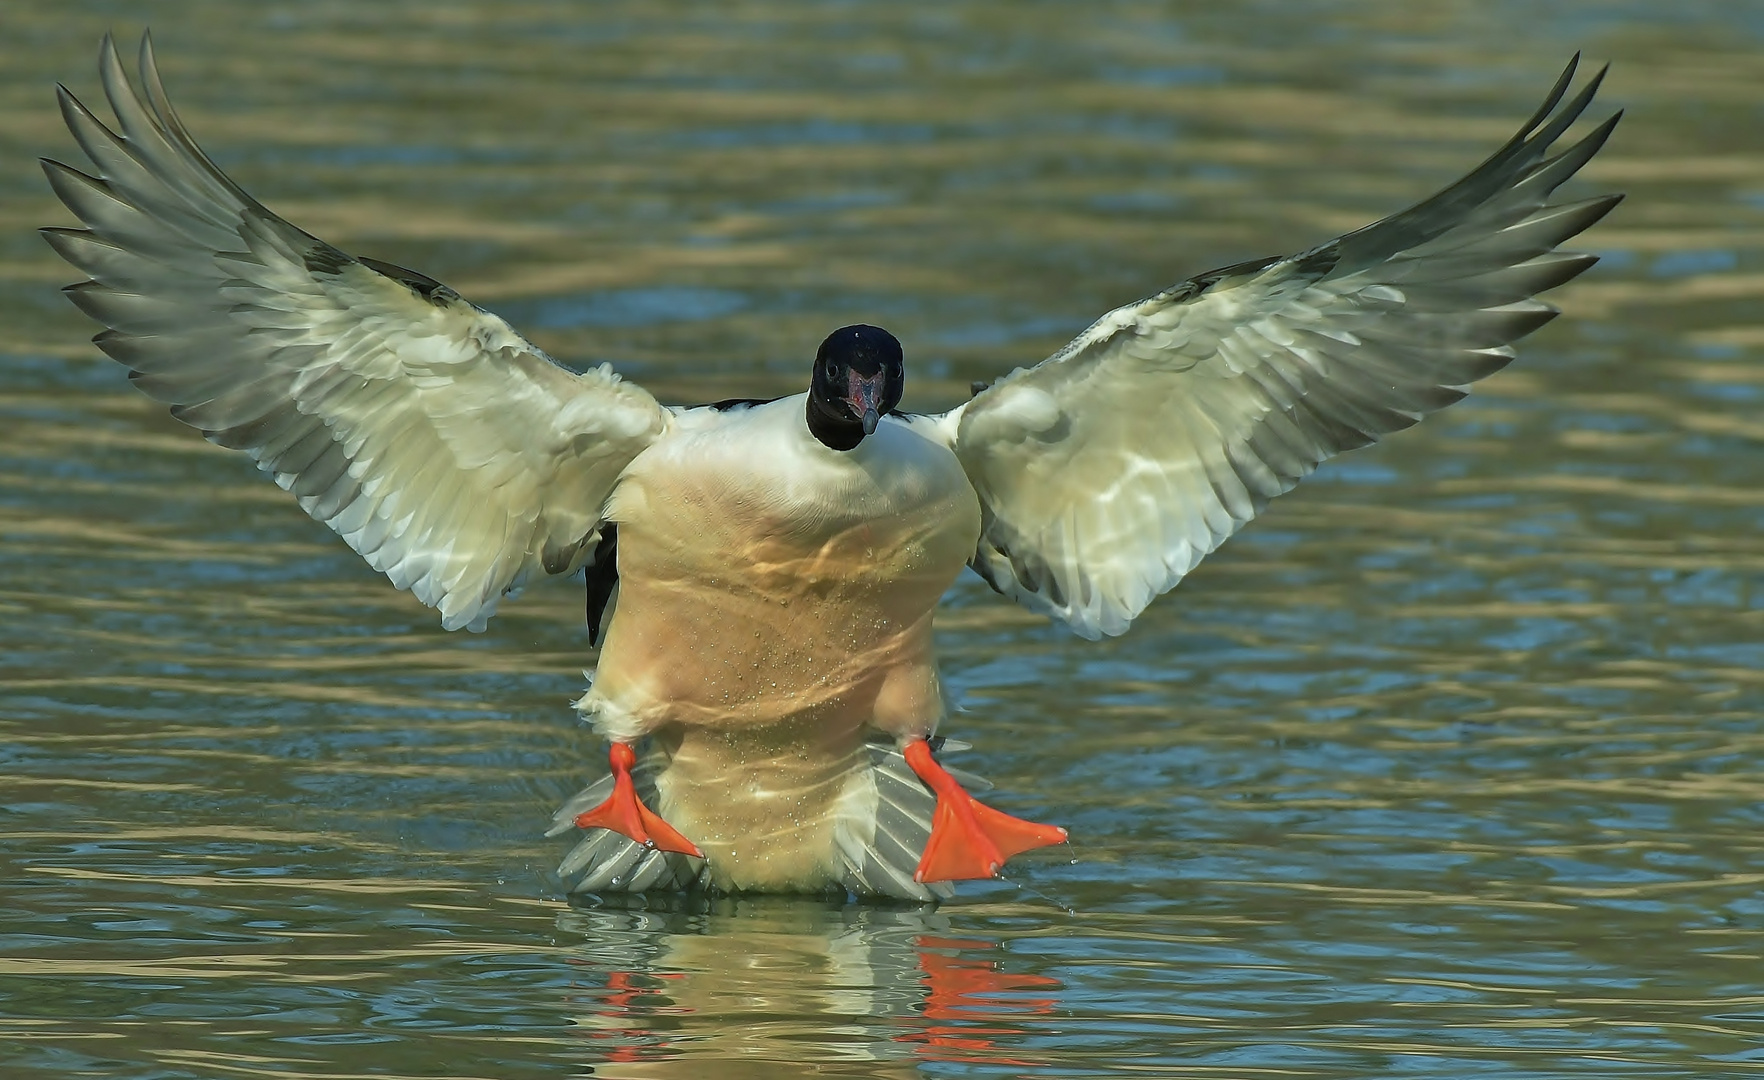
[762, 576]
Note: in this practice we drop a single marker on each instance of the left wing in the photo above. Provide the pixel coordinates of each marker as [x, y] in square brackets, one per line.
[446, 449]
[1107, 471]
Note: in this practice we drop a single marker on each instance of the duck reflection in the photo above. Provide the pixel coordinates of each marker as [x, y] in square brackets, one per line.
[778, 986]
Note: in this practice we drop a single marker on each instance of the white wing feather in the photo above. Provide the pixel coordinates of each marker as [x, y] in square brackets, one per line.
[449, 452]
[1109, 470]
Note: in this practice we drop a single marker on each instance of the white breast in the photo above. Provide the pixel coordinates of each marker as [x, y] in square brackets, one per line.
[755, 478]
[765, 577]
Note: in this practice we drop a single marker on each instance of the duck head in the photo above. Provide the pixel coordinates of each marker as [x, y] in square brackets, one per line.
[858, 379]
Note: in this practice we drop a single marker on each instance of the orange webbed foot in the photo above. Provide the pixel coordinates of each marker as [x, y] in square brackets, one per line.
[623, 812]
[968, 838]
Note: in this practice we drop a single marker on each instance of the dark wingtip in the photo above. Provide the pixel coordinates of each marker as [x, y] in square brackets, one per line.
[145, 53]
[1552, 99]
[1596, 141]
[1598, 78]
[1605, 204]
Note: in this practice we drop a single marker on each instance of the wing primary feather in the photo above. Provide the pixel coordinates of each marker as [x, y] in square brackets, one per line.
[1433, 216]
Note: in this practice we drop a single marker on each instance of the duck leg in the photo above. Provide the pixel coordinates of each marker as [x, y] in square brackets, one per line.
[968, 838]
[623, 812]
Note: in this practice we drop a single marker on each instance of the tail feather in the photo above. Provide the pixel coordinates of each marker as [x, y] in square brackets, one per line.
[883, 826]
[881, 843]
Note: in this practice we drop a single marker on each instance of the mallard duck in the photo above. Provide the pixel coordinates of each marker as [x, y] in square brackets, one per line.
[765, 573]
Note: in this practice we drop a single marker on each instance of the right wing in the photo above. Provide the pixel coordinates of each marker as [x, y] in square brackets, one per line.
[453, 455]
[1109, 470]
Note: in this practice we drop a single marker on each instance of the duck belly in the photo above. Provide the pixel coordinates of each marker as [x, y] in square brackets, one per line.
[769, 622]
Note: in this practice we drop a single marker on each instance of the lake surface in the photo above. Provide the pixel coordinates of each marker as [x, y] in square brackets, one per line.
[1452, 765]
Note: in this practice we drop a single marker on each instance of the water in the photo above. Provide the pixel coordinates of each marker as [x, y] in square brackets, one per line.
[1450, 766]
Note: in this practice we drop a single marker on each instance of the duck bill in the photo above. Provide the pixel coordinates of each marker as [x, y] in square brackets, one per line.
[864, 395]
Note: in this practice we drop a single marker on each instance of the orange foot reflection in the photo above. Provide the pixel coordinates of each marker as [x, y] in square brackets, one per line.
[968, 989]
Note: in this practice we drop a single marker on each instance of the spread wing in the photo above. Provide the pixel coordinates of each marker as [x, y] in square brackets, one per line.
[1109, 470]
[449, 452]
